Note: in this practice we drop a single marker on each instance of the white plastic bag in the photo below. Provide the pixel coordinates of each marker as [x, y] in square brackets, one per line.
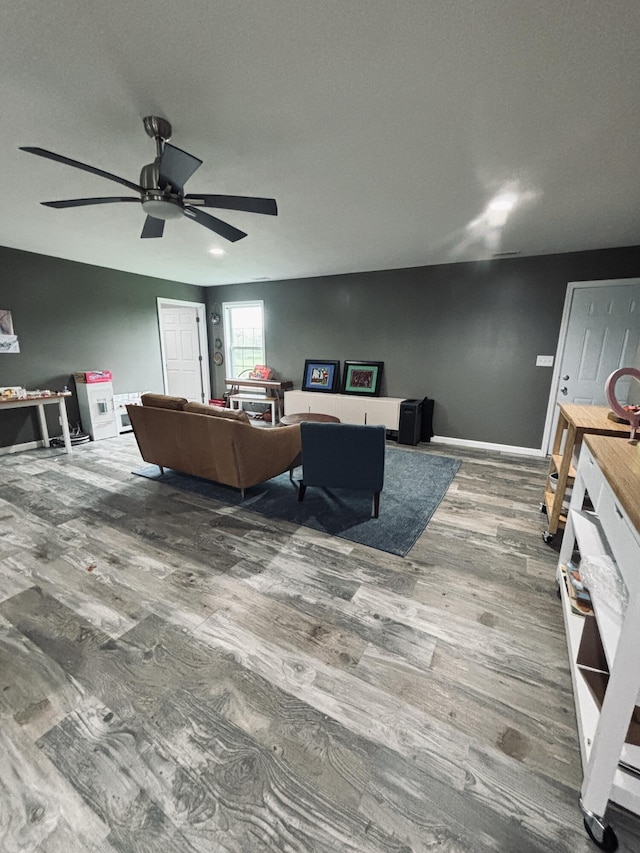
[601, 577]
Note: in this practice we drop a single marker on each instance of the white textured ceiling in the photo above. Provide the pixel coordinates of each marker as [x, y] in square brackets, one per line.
[384, 129]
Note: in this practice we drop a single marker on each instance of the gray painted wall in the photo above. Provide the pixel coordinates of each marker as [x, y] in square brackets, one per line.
[71, 317]
[466, 335]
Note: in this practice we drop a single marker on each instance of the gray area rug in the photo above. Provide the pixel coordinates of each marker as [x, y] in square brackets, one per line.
[414, 485]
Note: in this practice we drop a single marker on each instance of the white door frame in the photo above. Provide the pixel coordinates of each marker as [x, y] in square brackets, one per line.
[547, 438]
[202, 338]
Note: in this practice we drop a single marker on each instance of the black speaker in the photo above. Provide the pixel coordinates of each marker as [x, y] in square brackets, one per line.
[426, 431]
[410, 422]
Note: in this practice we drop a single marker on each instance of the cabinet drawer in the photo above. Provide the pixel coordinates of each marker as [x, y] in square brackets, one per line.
[108, 429]
[324, 404]
[384, 410]
[592, 476]
[296, 402]
[623, 539]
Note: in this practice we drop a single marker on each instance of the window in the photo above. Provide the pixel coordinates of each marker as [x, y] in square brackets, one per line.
[244, 336]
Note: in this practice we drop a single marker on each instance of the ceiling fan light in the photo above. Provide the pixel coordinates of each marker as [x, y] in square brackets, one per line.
[161, 207]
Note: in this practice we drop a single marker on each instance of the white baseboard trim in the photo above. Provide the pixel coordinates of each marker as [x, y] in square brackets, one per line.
[17, 448]
[437, 439]
[486, 445]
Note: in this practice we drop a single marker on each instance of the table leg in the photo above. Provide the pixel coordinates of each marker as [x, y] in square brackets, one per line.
[563, 476]
[43, 425]
[64, 422]
[276, 394]
[560, 428]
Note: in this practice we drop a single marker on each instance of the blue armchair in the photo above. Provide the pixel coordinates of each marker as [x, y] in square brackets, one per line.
[347, 456]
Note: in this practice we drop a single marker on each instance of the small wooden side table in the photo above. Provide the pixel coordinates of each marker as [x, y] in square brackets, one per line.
[40, 402]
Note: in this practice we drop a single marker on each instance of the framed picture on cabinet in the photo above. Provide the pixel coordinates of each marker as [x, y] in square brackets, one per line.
[321, 375]
[362, 377]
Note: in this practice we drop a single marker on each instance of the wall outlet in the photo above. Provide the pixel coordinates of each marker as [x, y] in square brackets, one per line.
[544, 361]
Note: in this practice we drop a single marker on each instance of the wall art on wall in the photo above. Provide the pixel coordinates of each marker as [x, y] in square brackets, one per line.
[321, 375]
[362, 377]
[8, 340]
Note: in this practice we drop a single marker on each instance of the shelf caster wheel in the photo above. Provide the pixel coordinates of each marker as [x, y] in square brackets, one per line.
[543, 508]
[547, 537]
[608, 842]
[600, 833]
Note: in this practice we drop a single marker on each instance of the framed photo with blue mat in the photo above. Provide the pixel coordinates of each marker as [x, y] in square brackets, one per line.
[321, 376]
[362, 377]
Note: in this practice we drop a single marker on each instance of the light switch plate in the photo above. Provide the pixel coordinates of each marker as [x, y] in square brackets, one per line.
[544, 361]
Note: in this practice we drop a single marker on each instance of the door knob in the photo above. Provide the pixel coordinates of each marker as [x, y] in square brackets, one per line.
[564, 390]
[566, 377]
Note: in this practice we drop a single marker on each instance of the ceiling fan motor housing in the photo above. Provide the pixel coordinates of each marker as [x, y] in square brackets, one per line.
[155, 201]
[150, 176]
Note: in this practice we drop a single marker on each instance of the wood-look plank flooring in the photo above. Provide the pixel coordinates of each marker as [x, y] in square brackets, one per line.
[178, 675]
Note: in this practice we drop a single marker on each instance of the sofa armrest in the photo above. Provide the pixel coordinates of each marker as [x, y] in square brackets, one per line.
[262, 453]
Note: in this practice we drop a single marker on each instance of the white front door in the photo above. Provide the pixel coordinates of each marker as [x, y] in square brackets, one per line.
[601, 333]
[183, 339]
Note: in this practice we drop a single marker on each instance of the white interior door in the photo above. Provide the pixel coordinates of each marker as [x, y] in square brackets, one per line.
[600, 333]
[184, 349]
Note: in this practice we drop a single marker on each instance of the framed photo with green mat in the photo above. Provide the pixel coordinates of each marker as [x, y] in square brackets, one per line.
[362, 377]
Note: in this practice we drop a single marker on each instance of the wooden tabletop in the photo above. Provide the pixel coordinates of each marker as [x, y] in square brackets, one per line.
[316, 417]
[268, 384]
[593, 419]
[41, 398]
[620, 464]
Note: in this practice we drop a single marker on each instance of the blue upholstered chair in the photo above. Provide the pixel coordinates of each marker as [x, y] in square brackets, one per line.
[343, 456]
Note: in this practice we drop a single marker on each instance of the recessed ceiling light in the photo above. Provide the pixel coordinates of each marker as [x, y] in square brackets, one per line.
[217, 251]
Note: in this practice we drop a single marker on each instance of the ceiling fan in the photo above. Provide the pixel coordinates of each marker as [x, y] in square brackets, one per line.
[161, 188]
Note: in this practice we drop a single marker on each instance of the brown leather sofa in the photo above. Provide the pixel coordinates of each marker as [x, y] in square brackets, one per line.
[210, 442]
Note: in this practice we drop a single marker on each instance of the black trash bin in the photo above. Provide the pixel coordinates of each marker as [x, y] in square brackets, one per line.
[410, 422]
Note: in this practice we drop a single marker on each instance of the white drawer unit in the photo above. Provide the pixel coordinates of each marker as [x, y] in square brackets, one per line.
[606, 684]
[350, 408]
[97, 409]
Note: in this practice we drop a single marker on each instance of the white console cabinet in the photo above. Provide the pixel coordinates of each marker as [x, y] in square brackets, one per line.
[97, 409]
[605, 530]
[351, 409]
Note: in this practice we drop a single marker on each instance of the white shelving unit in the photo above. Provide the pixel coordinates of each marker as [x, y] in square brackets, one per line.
[609, 473]
[351, 409]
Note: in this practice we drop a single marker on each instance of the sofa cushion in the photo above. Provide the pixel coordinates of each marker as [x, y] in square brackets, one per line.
[163, 401]
[217, 412]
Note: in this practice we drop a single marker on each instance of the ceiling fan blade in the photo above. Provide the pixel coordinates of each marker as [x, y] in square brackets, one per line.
[236, 202]
[67, 161]
[213, 224]
[152, 227]
[81, 202]
[176, 167]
